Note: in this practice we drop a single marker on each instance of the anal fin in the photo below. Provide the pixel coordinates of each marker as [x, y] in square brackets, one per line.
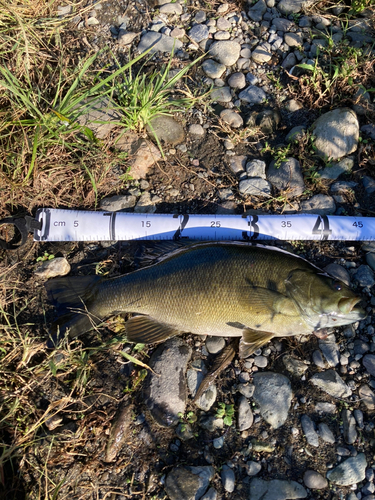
[146, 330]
[252, 340]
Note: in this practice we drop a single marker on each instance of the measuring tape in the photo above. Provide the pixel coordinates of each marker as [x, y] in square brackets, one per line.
[73, 225]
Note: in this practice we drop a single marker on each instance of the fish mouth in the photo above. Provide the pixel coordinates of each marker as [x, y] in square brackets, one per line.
[348, 305]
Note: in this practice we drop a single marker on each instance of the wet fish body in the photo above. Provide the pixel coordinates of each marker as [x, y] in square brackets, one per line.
[220, 289]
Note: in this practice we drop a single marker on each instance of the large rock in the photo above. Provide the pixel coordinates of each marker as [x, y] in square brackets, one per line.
[286, 177]
[166, 390]
[352, 471]
[166, 129]
[225, 51]
[336, 133]
[188, 483]
[273, 395]
[331, 383]
[257, 11]
[99, 115]
[158, 42]
[142, 153]
[287, 7]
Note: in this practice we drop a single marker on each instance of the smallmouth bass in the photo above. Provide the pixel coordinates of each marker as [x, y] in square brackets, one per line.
[222, 289]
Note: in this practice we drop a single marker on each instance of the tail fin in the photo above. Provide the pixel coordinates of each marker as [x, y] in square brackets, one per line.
[74, 298]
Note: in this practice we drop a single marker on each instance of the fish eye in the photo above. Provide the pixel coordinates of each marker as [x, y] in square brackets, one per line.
[336, 286]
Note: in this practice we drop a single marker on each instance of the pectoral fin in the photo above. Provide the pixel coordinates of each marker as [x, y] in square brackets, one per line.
[252, 340]
[146, 330]
[260, 300]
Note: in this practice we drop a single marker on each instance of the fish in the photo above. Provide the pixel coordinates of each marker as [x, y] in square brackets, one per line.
[222, 289]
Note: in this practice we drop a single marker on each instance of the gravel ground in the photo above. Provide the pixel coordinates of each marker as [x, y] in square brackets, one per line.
[296, 419]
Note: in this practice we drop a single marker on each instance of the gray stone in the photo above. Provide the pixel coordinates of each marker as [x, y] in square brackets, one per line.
[273, 395]
[145, 204]
[58, 266]
[218, 442]
[275, 489]
[367, 396]
[287, 7]
[368, 184]
[343, 186]
[232, 118]
[196, 131]
[292, 106]
[369, 130]
[221, 94]
[228, 479]
[195, 375]
[126, 37]
[362, 102]
[349, 426]
[260, 361]
[215, 344]
[325, 433]
[317, 358]
[256, 168]
[210, 495]
[370, 259]
[211, 423]
[253, 468]
[222, 35]
[166, 129]
[99, 115]
[223, 24]
[282, 24]
[245, 415]
[337, 168]
[309, 431]
[336, 133]
[118, 202]
[364, 276]
[213, 69]
[368, 362]
[293, 39]
[330, 350]
[237, 163]
[257, 11]
[165, 390]
[289, 61]
[158, 42]
[304, 22]
[314, 481]
[226, 52]
[237, 81]
[171, 8]
[261, 55]
[252, 79]
[351, 471]
[321, 204]
[296, 133]
[252, 95]
[255, 186]
[325, 408]
[286, 177]
[199, 32]
[188, 483]
[246, 390]
[331, 383]
[200, 16]
[295, 366]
